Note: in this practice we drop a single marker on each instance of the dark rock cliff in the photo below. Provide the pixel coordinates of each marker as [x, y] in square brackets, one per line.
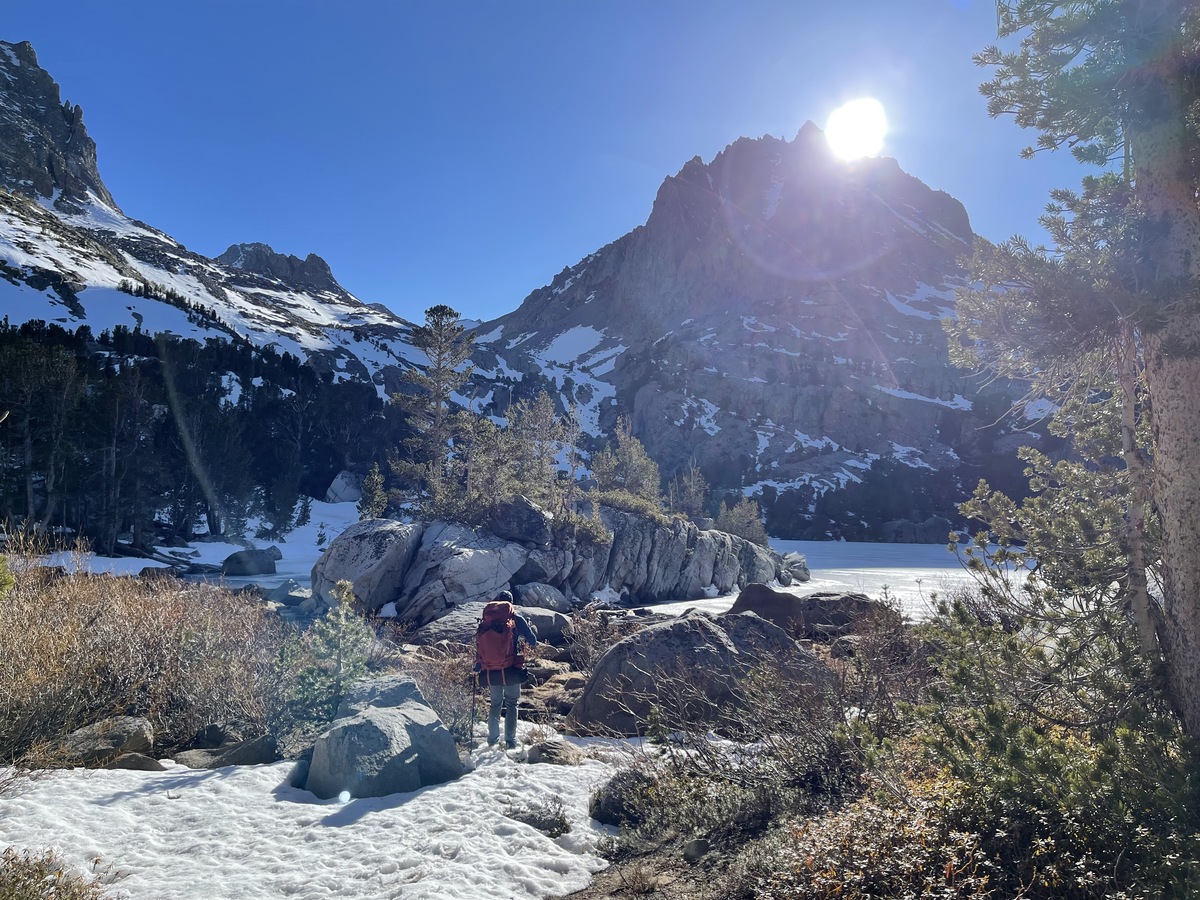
[44, 145]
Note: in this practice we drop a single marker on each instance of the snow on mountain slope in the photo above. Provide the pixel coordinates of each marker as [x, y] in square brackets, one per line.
[64, 261]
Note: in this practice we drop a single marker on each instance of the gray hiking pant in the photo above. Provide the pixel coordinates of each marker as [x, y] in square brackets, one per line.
[500, 694]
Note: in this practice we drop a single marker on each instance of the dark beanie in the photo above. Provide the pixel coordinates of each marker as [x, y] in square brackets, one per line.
[504, 596]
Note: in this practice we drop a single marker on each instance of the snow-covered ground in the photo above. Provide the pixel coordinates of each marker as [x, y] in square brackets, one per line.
[239, 832]
[300, 548]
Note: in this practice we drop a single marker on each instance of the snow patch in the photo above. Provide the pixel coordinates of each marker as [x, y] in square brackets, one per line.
[959, 401]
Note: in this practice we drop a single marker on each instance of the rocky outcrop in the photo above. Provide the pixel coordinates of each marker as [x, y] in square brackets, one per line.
[820, 616]
[385, 740]
[520, 519]
[251, 562]
[44, 146]
[104, 741]
[311, 272]
[427, 571]
[682, 672]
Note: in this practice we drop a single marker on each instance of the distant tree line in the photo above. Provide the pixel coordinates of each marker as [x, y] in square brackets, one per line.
[128, 438]
[140, 438]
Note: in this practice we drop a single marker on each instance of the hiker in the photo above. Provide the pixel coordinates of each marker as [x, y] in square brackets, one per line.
[499, 664]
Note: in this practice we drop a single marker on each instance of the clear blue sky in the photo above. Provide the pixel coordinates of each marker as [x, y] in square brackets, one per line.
[465, 152]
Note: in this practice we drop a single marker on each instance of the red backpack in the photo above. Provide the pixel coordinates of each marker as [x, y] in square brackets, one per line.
[496, 637]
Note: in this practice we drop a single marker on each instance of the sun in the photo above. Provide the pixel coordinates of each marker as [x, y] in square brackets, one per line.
[857, 129]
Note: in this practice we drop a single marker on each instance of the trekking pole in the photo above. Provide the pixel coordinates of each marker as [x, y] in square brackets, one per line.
[474, 695]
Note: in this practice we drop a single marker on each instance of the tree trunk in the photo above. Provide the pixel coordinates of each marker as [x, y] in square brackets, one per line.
[1164, 185]
[30, 500]
[1175, 385]
[1139, 495]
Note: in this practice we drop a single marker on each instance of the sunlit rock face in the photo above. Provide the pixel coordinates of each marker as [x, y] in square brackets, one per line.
[777, 320]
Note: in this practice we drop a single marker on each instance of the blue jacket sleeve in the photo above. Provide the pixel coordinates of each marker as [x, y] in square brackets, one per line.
[526, 632]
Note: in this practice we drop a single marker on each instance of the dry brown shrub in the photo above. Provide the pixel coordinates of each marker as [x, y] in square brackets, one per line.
[75, 649]
[42, 875]
[447, 683]
[888, 672]
[594, 630]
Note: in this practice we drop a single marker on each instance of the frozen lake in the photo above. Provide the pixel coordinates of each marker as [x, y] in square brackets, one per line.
[910, 573]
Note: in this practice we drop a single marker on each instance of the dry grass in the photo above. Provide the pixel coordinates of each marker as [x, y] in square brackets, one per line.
[447, 683]
[75, 649]
[41, 875]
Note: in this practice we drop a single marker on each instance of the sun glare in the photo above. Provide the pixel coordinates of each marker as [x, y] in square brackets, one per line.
[857, 129]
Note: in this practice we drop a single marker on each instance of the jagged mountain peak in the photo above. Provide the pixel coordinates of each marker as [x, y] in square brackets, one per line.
[260, 259]
[766, 218]
[45, 149]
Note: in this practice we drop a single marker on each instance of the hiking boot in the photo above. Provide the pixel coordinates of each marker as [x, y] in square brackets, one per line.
[511, 745]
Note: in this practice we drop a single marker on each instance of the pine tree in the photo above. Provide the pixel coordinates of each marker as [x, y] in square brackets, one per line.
[1117, 79]
[374, 499]
[743, 519]
[626, 466]
[422, 461]
[1062, 322]
[538, 436]
[688, 492]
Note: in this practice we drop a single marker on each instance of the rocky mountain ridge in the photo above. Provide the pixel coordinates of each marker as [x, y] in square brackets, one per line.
[70, 256]
[44, 147]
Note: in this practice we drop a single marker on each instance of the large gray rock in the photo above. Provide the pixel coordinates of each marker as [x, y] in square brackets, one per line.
[548, 624]
[682, 672]
[251, 562]
[389, 690]
[543, 596]
[456, 565]
[651, 561]
[373, 555]
[522, 520]
[819, 616]
[796, 565]
[105, 740]
[458, 625]
[383, 750]
[345, 488]
[429, 570]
